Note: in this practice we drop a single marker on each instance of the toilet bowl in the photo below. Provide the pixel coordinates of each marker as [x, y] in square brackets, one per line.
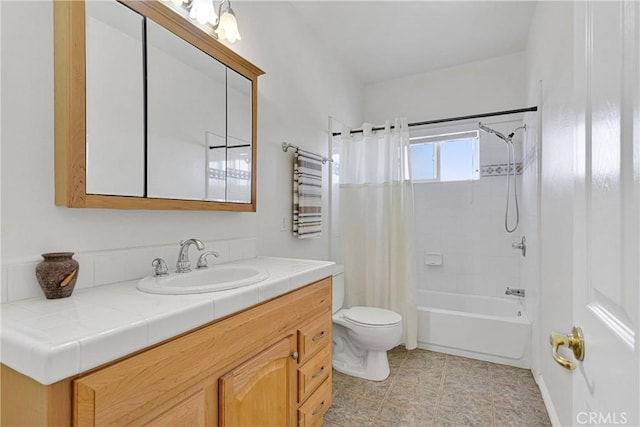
[362, 335]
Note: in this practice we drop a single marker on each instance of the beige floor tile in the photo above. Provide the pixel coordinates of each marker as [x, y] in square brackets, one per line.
[509, 374]
[396, 358]
[427, 388]
[422, 358]
[528, 417]
[510, 395]
[472, 413]
[398, 349]
[443, 422]
[449, 398]
[427, 377]
[463, 384]
[410, 391]
[376, 390]
[352, 411]
[463, 367]
[406, 416]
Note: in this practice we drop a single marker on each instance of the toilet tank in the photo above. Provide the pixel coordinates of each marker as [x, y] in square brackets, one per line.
[338, 287]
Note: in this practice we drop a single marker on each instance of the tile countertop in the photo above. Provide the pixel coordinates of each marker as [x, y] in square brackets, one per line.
[50, 340]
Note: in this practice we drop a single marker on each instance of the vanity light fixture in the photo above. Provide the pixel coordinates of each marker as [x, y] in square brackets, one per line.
[203, 12]
[224, 24]
[227, 27]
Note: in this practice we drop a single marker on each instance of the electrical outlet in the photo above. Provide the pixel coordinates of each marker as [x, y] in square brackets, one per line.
[283, 223]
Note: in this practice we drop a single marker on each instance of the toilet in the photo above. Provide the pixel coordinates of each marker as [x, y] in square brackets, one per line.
[362, 335]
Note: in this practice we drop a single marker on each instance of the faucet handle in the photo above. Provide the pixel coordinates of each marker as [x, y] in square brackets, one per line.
[202, 259]
[160, 267]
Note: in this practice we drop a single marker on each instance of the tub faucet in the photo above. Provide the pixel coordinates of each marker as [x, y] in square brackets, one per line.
[183, 265]
[516, 292]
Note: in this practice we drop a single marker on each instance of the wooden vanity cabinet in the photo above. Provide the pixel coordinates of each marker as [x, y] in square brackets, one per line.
[261, 391]
[243, 370]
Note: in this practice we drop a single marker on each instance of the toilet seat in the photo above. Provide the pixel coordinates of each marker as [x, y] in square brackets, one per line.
[372, 316]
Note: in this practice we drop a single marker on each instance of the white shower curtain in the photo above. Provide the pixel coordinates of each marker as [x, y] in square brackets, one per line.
[376, 211]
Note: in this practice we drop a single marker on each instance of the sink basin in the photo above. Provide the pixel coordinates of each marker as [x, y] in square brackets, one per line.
[218, 278]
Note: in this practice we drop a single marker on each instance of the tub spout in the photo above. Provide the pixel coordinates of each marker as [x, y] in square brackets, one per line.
[516, 292]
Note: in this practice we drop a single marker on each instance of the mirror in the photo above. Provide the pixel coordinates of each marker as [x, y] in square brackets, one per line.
[239, 157]
[114, 99]
[163, 116]
[186, 113]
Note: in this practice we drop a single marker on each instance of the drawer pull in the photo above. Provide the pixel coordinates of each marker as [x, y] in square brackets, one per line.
[319, 336]
[317, 411]
[294, 356]
[317, 374]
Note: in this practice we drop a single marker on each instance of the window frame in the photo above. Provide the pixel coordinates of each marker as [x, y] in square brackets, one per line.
[437, 140]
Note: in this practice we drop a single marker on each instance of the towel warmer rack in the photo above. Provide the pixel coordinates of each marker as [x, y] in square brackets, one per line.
[323, 159]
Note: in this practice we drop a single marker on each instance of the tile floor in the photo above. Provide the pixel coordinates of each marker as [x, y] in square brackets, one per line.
[434, 389]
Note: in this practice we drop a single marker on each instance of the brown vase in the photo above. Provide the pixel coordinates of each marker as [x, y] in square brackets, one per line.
[57, 274]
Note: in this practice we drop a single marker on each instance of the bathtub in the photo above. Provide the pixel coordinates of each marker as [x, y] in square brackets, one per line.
[486, 328]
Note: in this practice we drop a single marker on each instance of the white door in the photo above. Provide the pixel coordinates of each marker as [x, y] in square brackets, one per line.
[607, 192]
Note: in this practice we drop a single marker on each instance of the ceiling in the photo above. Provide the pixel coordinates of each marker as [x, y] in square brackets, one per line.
[383, 40]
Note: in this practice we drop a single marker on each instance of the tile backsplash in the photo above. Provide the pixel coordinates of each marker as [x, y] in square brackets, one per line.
[97, 268]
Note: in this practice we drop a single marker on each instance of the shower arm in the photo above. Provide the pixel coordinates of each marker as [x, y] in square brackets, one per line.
[493, 131]
[512, 134]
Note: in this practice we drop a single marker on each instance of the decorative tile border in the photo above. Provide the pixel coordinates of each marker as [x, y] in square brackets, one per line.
[499, 169]
[222, 174]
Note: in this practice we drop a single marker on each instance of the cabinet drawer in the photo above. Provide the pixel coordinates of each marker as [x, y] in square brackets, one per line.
[311, 413]
[314, 372]
[314, 335]
[315, 299]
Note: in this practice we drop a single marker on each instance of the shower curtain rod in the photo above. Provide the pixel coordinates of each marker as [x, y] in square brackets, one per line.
[453, 119]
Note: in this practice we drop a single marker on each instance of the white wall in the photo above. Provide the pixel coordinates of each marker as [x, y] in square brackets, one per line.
[304, 83]
[477, 87]
[462, 220]
[550, 60]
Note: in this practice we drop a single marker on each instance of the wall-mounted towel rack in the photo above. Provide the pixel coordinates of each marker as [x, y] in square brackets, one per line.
[323, 159]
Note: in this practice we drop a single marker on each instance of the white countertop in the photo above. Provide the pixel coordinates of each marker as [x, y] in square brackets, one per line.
[50, 340]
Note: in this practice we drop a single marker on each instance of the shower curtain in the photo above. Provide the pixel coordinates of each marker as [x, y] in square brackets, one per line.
[376, 211]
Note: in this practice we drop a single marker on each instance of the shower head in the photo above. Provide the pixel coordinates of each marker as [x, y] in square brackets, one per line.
[495, 132]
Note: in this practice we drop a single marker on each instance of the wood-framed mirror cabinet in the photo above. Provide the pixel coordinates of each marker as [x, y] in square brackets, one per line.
[73, 127]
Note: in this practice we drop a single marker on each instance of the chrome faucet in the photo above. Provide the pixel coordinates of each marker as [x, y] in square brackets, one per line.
[183, 265]
[516, 292]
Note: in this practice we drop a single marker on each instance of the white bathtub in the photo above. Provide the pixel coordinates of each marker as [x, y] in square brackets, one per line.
[485, 328]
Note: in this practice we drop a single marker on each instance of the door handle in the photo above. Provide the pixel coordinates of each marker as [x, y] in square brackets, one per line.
[574, 340]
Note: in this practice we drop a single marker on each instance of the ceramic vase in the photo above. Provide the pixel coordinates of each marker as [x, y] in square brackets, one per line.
[57, 274]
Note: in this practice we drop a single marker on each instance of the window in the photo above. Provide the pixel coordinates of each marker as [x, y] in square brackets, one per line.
[449, 157]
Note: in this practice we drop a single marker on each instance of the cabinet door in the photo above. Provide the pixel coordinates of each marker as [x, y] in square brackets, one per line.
[191, 412]
[262, 390]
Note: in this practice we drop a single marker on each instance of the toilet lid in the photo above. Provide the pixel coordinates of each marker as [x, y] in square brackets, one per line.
[372, 316]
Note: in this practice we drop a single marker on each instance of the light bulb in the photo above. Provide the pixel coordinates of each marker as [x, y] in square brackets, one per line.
[176, 2]
[222, 34]
[203, 12]
[228, 27]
